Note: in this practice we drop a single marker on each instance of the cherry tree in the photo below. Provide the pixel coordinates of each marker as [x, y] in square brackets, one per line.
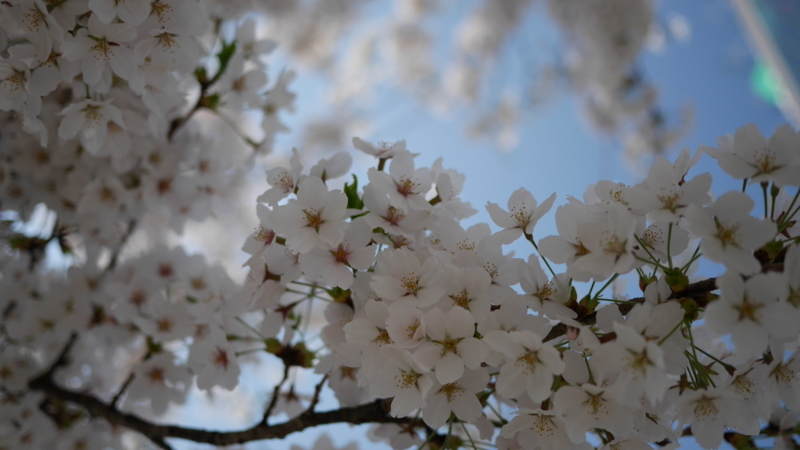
[435, 334]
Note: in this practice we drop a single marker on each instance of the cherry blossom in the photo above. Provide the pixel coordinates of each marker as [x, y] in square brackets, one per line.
[730, 234]
[314, 218]
[522, 215]
[751, 156]
[100, 44]
[91, 119]
[451, 346]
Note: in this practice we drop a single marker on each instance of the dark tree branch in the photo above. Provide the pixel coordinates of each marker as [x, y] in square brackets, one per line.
[375, 412]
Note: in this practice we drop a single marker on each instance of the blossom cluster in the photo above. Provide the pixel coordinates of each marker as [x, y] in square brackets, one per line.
[454, 328]
[442, 319]
[97, 100]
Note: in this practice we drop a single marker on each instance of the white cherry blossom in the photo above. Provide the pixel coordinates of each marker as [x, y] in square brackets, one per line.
[522, 215]
[101, 47]
[530, 364]
[451, 346]
[753, 157]
[91, 119]
[314, 218]
[730, 235]
[456, 397]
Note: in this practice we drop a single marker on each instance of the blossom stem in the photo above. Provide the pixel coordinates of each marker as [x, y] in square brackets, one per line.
[727, 366]
[464, 427]
[664, 339]
[529, 237]
[694, 258]
[504, 421]
[249, 327]
[308, 295]
[766, 203]
[236, 129]
[591, 375]
[623, 302]
[608, 283]
[251, 350]
[744, 185]
[432, 434]
[653, 260]
[788, 217]
[449, 430]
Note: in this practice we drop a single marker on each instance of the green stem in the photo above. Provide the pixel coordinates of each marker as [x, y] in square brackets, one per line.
[252, 350]
[694, 258]
[247, 325]
[725, 365]
[787, 218]
[624, 302]
[529, 237]
[653, 258]
[664, 339]
[591, 376]
[469, 436]
[652, 263]
[611, 280]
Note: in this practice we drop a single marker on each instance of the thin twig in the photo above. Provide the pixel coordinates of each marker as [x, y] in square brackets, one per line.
[118, 249]
[275, 395]
[122, 389]
[315, 398]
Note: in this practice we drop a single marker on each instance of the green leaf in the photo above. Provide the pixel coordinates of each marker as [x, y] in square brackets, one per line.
[353, 200]
[201, 74]
[224, 56]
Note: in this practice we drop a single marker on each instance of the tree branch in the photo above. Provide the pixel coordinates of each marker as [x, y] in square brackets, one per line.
[375, 412]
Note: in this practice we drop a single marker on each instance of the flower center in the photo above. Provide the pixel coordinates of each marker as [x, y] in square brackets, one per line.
[383, 337]
[450, 345]
[530, 359]
[451, 391]
[407, 380]
[221, 359]
[727, 234]
[264, 235]
[393, 216]
[705, 407]
[765, 161]
[520, 215]
[156, 375]
[411, 284]
[313, 218]
[461, 299]
[340, 254]
[749, 310]
[406, 186]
